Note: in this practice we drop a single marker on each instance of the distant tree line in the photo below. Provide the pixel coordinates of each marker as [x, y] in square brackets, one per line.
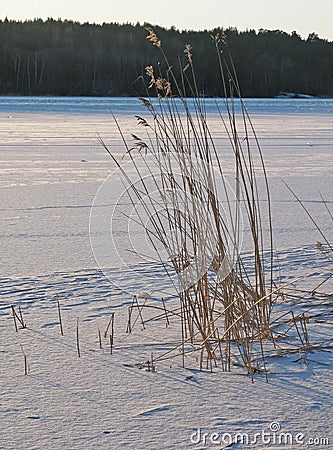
[56, 57]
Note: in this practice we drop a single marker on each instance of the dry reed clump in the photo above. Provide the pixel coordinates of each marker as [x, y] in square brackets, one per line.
[197, 219]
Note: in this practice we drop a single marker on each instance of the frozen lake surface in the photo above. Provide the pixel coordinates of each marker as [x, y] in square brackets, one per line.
[51, 167]
[129, 105]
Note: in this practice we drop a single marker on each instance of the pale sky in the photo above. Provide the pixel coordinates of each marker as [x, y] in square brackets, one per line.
[303, 16]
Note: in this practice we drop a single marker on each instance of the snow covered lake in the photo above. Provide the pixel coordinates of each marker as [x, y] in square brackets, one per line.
[51, 166]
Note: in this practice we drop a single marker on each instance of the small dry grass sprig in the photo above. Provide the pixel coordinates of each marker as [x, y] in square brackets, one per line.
[153, 38]
[188, 54]
[161, 84]
[26, 365]
[18, 317]
[60, 316]
[150, 73]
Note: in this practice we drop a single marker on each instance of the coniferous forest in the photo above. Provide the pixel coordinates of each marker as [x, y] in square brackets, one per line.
[56, 57]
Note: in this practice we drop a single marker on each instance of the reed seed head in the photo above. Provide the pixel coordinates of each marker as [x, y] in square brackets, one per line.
[152, 37]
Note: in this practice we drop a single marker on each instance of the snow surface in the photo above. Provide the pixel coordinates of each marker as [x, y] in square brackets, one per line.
[51, 168]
